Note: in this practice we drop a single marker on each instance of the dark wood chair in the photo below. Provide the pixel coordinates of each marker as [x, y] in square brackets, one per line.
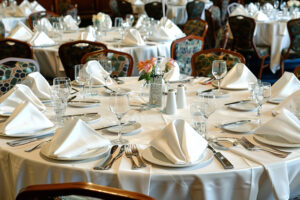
[15, 48]
[297, 72]
[213, 19]
[155, 10]
[61, 190]
[122, 63]
[2, 30]
[202, 60]
[242, 29]
[222, 37]
[39, 15]
[70, 53]
[293, 51]
[194, 9]
[196, 27]
[182, 50]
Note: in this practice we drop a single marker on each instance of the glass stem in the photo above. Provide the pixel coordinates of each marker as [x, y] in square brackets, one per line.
[259, 113]
[219, 85]
[120, 130]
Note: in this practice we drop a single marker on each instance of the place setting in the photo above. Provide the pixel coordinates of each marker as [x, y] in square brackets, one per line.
[242, 126]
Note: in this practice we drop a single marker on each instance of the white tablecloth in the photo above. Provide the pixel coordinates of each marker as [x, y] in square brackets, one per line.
[247, 180]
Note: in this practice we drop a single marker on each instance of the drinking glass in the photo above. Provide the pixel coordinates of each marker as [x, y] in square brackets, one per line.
[82, 77]
[262, 93]
[219, 70]
[276, 4]
[129, 19]
[198, 119]
[57, 31]
[251, 86]
[119, 26]
[78, 20]
[107, 65]
[59, 95]
[119, 105]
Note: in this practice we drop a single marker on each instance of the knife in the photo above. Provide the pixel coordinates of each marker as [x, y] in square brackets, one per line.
[27, 140]
[81, 114]
[206, 91]
[107, 159]
[180, 81]
[124, 124]
[84, 101]
[225, 163]
[236, 102]
[244, 121]
[111, 162]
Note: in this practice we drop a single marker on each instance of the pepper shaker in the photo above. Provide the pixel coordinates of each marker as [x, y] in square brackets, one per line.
[181, 97]
[171, 106]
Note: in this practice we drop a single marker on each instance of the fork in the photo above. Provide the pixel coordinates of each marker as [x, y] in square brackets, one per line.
[128, 154]
[251, 147]
[135, 152]
[36, 146]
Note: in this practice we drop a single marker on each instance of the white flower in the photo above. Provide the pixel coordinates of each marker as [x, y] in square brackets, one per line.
[293, 3]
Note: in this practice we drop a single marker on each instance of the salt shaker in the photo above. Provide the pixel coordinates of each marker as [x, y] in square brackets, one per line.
[181, 98]
[171, 106]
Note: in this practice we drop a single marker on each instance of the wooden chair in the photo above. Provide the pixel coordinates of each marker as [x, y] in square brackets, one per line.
[39, 15]
[15, 48]
[14, 71]
[2, 30]
[194, 9]
[182, 50]
[124, 7]
[196, 27]
[70, 53]
[155, 10]
[293, 51]
[61, 190]
[213, 19]
[242, 29]
[202, 60]
[297, 72]
[122, 63]
[222, 37]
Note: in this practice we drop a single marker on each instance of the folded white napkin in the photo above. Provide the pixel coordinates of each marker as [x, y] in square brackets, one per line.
[41, 39]
[174, 73]
[97, 73]
[36, 7]
[24, 8]
[288, 103]
[70, 23]
[285, 86]
[239, 10]
[25, 118]
[21, 32]
[74, 139]
[166, 30]
[18, 94]
[284, 128]
[140, 20]
[238, 77]
[180, 143]
[46, 24]
[260, 16]
[133, 37]
[38, 85]
[89, 36]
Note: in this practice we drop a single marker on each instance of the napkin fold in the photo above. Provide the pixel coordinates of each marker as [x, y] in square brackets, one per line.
[260, 16]
[239, 10]
[133, 37]
[21, 32]
[238, 77]
[288, 103]
[140, 20]
[97, 73]
[25, 118]
[89, 36]
[70, 23]
[41, 39]
[180, 143]
[284, 128]
[36, 7]
[285, 86]
[38, 85]
[74, 139]
[174, 73]
[17, 95]
[24, 8]
[46, 24]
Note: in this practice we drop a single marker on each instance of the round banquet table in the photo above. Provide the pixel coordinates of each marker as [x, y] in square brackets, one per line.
[248, 179]
[51, 66]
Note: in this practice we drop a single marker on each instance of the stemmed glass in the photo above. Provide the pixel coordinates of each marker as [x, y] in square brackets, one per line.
[129, 20]
[119, 105]
[106, 64]
[119, 25]
[262, 93]
[219, 70]
[78, 20]
[82, 77]
[59, 95]
[276, 4]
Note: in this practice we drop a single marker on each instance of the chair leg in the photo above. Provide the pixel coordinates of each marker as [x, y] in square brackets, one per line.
[282, 66]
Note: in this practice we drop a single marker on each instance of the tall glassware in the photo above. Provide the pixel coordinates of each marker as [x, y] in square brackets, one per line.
[107, 66]
[219, 70]
[82, 77]
[262, 93]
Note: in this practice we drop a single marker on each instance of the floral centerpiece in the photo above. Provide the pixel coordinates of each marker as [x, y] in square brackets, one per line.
[147, 68]
[293, 3]
[102, 20]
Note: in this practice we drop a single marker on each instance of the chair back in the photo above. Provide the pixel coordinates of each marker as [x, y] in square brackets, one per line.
[2, 30]
[71, 53]
[182, 50]
[39, 15]
[196, 27]
[294, 32]
[14, 71]
[15, 48]
[213, 19]
[61, 190]
[113, 4]
[122, 63]
[73, 10]
[155, 10]
[202, 60]
[194, 9]
[297, 72]
[222, 37]
[124, 7]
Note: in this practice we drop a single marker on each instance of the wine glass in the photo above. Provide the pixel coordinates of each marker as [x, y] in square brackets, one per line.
[119, 105]
[78, 20]
[60, 92]
[107, 65]
[219, 70]
[198, 119]
[262, 93]
[82, 77]
[276, 4]
[251, 86]
[119, 26]
[129, 19]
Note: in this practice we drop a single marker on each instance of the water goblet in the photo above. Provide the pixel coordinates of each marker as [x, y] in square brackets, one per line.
[262, 93]
[129, 19]
[82, 77]
[251, 86]
[119, 105]
[119, 26]
[107, 65]
[198, 119]
[219, 70]
[78, 20]
[276, 4]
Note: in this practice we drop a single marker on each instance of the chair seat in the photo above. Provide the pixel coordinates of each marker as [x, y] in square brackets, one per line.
[292, 54]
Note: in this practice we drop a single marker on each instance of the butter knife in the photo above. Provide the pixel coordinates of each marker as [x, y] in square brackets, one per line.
[27, 140]
[111, 162]
[206, 91]
[236, 102]
[107, 159]
[219, 156]
[240, 122]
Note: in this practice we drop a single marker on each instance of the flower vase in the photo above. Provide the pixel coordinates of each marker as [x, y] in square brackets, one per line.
[156, 91]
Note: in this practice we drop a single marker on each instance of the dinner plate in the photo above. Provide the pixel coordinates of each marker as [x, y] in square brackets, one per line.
[83, 103]
[120, 90]
[215, 84]
[275, 101]
[129, 130]
[32, 133]
[154, 156]
[88, 154]
[274, 143]
[248, 127]
[93, 85]
[244, 106]
[45, 45]
[5, 114]
[88, 118]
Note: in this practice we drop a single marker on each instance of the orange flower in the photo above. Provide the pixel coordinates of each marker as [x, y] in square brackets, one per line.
[146, 66]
